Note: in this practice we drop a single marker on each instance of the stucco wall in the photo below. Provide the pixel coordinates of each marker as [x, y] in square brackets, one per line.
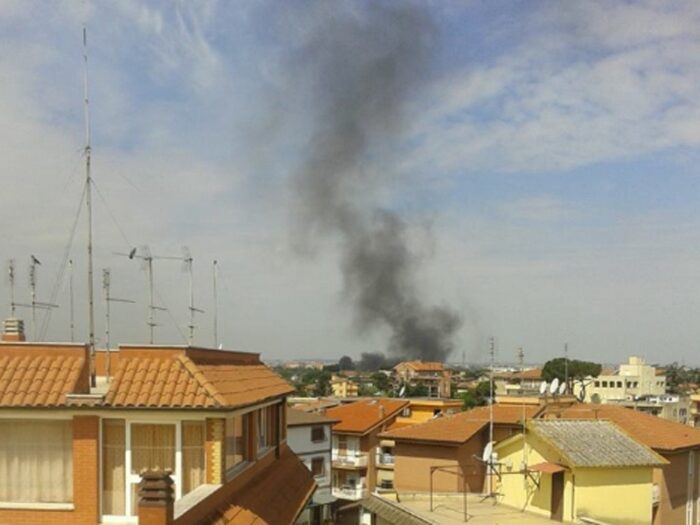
[615, 496]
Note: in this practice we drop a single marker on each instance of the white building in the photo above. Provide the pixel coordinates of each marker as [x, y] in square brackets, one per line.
[632, 381]
[309, 436]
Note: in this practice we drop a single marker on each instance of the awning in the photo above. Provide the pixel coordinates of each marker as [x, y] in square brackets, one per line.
[547, 468]
[323, 498]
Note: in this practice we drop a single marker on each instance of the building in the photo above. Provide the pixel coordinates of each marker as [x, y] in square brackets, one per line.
[694, 411]
[72, 453]
[520, 382]
[675, 483]
[440, 452]
[344, 387]
[309, 437]
[420, 410]
[572, 470]
[355, 444]
[667, 406]
[434, 377]
[631, 381]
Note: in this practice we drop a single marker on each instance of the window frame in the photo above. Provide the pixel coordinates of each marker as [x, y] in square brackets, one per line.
[322, 430]
[316, 460]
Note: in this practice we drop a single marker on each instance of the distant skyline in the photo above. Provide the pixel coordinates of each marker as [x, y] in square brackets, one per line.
[548, 174]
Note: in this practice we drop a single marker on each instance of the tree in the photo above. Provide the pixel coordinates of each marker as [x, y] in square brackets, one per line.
[346, 363]
[477, 396]
[416, 391]
[560, 367]
[381, 382]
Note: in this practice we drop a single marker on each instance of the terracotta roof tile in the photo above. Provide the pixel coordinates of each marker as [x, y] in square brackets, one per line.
[502, 414]
[653, 431]
[243, 384]
[423, 366]
[446, 429]
[274, 497]
[362, 416]
[38, 379]
[297, 418]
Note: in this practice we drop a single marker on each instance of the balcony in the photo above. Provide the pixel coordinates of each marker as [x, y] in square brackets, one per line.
[349, 492]
[349, 459]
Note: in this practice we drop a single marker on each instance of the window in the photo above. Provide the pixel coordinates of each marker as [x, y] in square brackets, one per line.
[619, 384]
[605, 384]
[193, 473]
[318, 467]
[113, 473]
[152, 447]
[406, 412]
[597, 384]
[36, 461]
[236, 441]
[318, 434]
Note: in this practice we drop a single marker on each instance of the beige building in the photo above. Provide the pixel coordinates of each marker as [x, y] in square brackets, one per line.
[694, 413]
[631, 381]
[343, 387]
[431, 375]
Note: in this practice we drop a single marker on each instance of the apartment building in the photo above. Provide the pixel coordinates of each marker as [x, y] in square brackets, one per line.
[633, 380]
[694, 410]
[355, 444]
[420, 410]
[343, 387]
[309, 436]
[73, 451]
[520, 382]
[434, 377]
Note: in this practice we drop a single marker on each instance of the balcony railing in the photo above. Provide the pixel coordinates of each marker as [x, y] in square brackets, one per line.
[350, 493]
[350, 459]
[385, 459]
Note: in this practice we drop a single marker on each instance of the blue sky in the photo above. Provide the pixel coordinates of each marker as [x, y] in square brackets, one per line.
[552, 157]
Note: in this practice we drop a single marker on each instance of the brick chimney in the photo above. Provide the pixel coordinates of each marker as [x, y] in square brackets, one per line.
[156, 501]
[13, 330]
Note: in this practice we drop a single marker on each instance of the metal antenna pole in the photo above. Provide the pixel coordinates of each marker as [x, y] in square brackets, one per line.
[566, 364]
[72, 307]
[492, 353]
[151, 306]
[11, 275]
[188, 262]
[216, 306]
[88, 201]
[105, 286]
[32, 287]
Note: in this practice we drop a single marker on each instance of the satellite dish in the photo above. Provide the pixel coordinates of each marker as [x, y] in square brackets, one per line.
[562, 389]
[402, 392]
[487, 455]
[582, 393]
[543, 387]
[554, 386]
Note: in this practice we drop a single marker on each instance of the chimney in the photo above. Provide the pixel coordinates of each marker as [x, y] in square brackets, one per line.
[13, 330]
[381, 411]
[156, 502]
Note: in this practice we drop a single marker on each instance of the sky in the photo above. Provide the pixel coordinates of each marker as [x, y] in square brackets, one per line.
[546, 169]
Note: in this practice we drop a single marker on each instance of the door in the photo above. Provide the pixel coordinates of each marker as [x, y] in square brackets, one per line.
[557, 496]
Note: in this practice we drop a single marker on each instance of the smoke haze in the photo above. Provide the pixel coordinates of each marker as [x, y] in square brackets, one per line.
[362, 68]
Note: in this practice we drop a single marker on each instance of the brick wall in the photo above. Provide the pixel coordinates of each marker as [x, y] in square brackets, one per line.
[85, 483]
[215, 451]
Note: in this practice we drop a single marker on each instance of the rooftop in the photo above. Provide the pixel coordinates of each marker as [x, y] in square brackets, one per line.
[447, 429]
[502, 414]
[298, 418]
[362, 416]
[594, 443]
[422, 366]
[655, 432]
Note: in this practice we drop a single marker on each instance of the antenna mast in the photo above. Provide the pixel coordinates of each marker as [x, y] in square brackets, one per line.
[187, 259]
[32, 287]
[106, 282]
[566, 364]
[72, 307]
[88, 202]
[492, 354]
[215, 272]
[11, 276]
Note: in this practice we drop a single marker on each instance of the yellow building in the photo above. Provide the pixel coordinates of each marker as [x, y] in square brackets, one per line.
[421, 410]
[695, 410]
[575, 470]
[343, 387]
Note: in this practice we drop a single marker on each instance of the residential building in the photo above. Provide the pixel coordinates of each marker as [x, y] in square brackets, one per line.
[434, 377]
[355, 444]
[676, 483]
[309, 436]
[344, 387]
[72, 453]
[631, 381]
[667, 406]
[440, 453]
[420, 410]
[571, 470]
[519, 382]
[694, 411]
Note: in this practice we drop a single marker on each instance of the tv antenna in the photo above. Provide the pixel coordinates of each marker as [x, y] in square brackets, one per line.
[11, 278]
[34, 304]
[187, 260]
[72, 303]
[521, 357]
[106, 283]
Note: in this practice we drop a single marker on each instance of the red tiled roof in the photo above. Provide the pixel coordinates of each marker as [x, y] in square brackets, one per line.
[423, 366]
[298, 418]
[653, 431]
[362, 416]
[274, 497]
[41, 377]
[502, 414]
[532, 373]
[547, 468]
[447, 429]
[180, 380]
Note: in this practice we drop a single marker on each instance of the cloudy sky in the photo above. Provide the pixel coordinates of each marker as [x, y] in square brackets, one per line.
[547, 170]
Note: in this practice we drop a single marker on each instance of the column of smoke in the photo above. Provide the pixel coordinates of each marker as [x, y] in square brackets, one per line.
[364, 65]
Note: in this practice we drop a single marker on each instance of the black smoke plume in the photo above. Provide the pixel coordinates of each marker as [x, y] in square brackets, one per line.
[363, 65]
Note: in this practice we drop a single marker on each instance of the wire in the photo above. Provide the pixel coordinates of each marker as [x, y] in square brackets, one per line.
[62, 268]
[109, 212]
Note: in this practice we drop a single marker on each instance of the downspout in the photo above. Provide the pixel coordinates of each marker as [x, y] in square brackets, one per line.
[573, 496]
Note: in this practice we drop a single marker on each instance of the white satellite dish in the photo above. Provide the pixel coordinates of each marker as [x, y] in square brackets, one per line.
[488, 452]
[543, 387]
[554, 386]
[562, 389]
[402, 392]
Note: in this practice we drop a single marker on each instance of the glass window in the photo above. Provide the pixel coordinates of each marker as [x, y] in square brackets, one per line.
[236, 440]
[152, 447]
[318, 434]
[193, 472]
[619, 384]
[262, 430]
[36, 461]
[113, 468]
[318, 467]
[605, 384]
